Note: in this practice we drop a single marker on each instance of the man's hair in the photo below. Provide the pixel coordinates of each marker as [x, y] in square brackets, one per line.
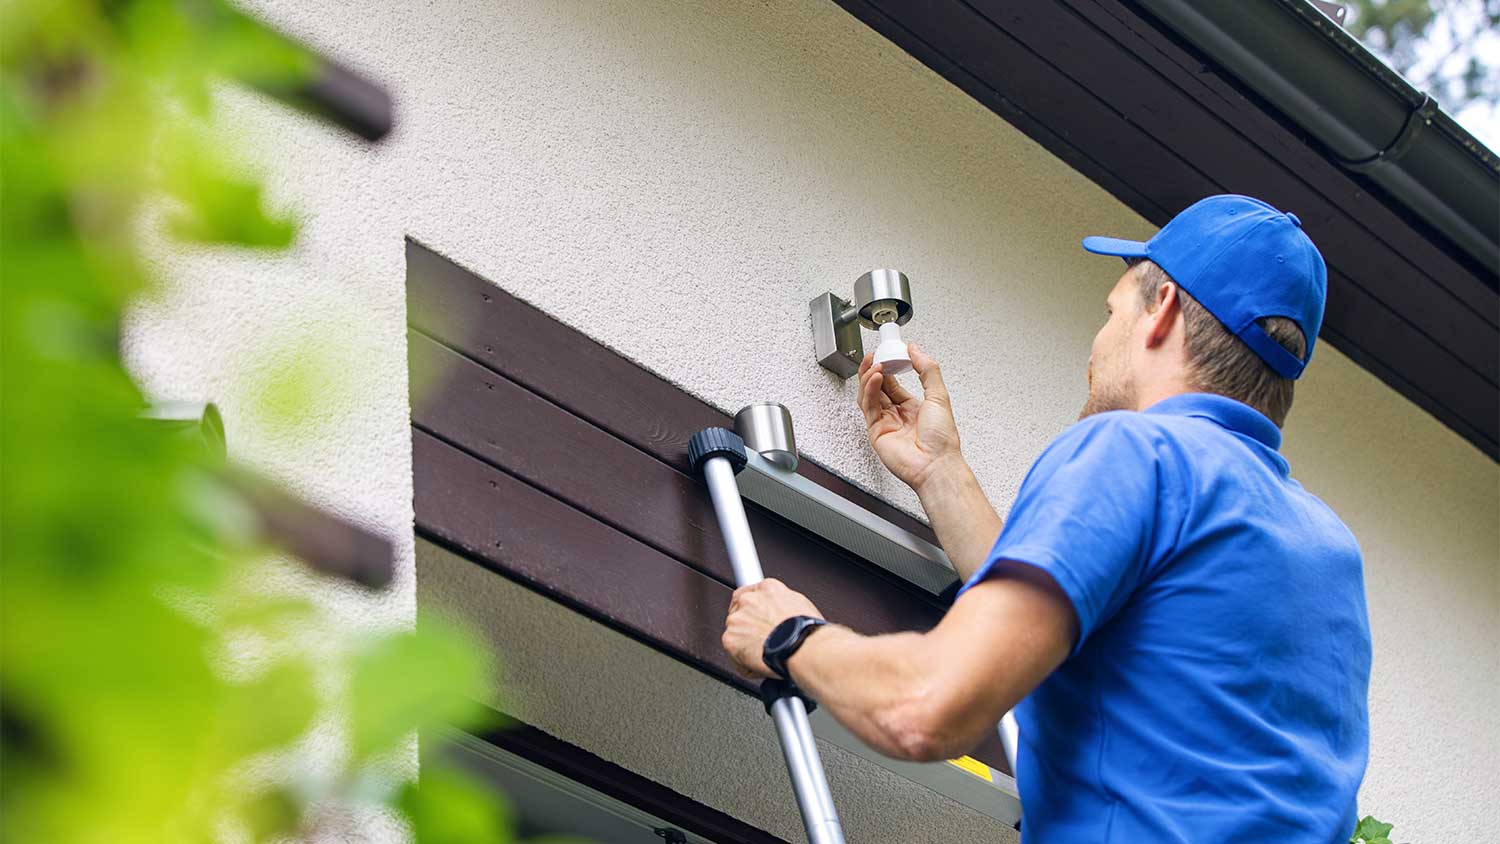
[1219, 362]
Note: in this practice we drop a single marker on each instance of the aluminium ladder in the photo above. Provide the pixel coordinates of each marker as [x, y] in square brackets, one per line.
[718, 454]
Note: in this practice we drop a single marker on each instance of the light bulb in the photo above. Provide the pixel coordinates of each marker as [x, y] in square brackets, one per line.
[891, 353]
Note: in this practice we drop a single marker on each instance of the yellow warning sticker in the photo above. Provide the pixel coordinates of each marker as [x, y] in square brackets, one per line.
[973, 766]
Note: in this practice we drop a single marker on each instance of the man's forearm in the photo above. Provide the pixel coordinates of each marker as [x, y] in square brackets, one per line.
[836, 665]
[965, 523]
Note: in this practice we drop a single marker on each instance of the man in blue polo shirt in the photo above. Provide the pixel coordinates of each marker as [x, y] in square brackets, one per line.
[1178, 624]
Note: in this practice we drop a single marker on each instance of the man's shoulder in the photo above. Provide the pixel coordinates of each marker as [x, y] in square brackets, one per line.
[1120, 431]
[1107, 448]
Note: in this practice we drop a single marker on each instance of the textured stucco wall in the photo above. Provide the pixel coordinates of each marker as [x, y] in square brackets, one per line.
[678, 180]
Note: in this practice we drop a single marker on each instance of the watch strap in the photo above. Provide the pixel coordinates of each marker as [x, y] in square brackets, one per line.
[773, 689]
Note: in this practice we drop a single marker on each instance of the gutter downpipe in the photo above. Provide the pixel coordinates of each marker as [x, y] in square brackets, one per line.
[1372, 121]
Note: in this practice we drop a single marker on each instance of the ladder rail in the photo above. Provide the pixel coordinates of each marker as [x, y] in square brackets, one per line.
[789, 713]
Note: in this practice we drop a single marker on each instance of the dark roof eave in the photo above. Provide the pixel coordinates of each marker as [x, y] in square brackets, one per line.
[1326, 82]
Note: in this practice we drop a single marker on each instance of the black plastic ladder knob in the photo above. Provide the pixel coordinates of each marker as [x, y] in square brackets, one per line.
[716, 442]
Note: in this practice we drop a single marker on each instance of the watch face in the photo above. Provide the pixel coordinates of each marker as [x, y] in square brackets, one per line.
[782, 634]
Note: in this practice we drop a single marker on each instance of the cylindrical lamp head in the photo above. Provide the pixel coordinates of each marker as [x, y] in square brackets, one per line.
[883, 296]
[766, 427]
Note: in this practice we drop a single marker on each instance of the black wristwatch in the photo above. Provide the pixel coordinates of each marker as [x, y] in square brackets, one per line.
[784, 641]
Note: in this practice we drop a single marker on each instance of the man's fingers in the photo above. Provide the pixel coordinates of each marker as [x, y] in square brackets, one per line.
[862, 398]
[893, 389]
[741, 595]
[734, 598]
[872, 400]
[929, 372]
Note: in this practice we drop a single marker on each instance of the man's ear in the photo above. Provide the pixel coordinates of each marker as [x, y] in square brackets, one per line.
[1163, 315]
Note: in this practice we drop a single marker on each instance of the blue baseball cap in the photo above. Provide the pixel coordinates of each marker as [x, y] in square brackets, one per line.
[1242, 260]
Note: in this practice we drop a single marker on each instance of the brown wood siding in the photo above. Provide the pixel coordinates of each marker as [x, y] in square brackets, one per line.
[510, 337]
[556, 462]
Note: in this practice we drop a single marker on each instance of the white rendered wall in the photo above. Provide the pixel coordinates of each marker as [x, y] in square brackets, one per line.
[678, 180]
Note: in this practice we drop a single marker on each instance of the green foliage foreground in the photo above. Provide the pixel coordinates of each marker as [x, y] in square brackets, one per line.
[152, 687]
[1371, 831]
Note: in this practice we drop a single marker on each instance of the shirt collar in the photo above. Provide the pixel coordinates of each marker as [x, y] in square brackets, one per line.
[1228, 413]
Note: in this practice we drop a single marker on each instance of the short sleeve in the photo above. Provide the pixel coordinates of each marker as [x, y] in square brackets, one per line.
[1085, 514]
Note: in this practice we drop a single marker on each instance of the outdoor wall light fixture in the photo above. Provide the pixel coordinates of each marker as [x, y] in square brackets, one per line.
[882, 302]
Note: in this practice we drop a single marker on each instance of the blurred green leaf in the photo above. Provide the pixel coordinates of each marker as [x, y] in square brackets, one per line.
[286, 690]
[449, 808]
[273, 814]
[214, 205]
[293, 387]
[406, 681]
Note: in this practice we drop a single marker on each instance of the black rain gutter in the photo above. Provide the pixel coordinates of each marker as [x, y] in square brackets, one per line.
[1370, 120]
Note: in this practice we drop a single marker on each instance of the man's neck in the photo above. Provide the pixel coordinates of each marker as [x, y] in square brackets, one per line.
[1150, 394]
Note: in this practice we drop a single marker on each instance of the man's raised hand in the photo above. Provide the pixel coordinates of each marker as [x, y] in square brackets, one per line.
[912, 436]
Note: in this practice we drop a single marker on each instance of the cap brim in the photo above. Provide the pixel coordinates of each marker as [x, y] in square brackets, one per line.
[1115, 246]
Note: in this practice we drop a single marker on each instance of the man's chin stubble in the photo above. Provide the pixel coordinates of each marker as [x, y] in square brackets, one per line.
[1103, 401]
